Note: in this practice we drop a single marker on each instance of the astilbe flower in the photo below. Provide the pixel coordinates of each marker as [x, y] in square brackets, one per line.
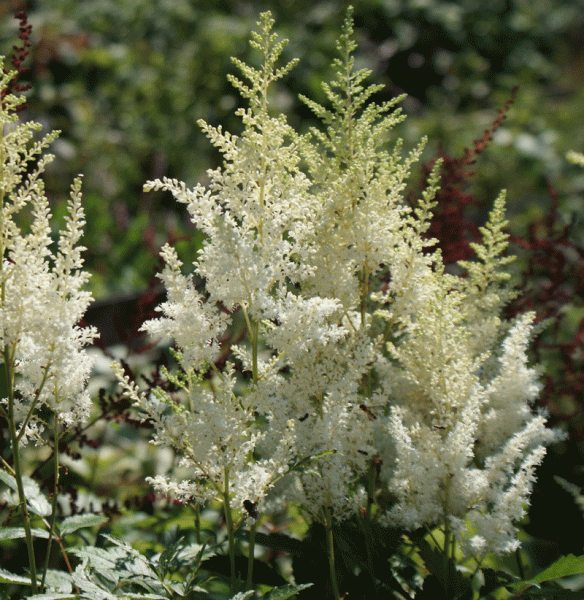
[41, 295]
[359, 344]
[465, 442]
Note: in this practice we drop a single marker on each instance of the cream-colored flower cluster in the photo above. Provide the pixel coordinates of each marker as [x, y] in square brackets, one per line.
[41, 296]
[359, 345]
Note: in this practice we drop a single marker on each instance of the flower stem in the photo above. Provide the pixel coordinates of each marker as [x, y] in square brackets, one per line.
[55, 497]
[250, 555]
[448, 542]
[253, 328]
[229, 524]
[14, 441]
[365, 521]
[331, 551]
[254, 352]
[198, 523]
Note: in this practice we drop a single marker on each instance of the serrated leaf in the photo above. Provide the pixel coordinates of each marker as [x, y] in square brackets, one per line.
[7, 577]
[13, 533]
[149, 596]
[553, 594]
[286, 591]
[563, 567]
[71, 524]
[99, 558]
[58, 596]
[91, 590]
[8, 480]
[59, 582]
[242, 595]
[120, 563]
[35, 499]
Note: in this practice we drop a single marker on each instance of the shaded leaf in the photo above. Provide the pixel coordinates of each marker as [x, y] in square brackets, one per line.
[563, 567]
[13, 533]
[286, 591]
[8, 480]
[7, 577]
[58, 596]
[36, 500]
[71, 524]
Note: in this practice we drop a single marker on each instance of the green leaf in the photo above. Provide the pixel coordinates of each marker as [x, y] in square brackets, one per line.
[8, 480]
[90, 589]
[148, 596]
[71, 524]
[58, 596]
[552, 594]
[563, 567]
[13, 533]
[286, 591]
[7, 577]
[36, 500]
[99, 558]
[58, 582]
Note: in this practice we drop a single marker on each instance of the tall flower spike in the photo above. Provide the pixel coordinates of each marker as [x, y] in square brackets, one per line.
[254, 217]
[41, 295]
[466, 442]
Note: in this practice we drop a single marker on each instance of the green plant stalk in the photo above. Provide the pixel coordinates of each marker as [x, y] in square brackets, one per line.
[364, 292]
[519, 564]
[250, 555]
[331, 551]
[365, 521]
[54, 500]
[254, 335]
[33, 403]
[229, 523]
[254, 351]
[14, 441]
[448, 541]
[198, 523]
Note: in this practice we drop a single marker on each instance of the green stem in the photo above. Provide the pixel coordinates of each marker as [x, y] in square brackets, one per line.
[519, 564]
[54, 500]
[364, 293]
[253, 328]
[8, 468]
[250, 555]
[254, 352]
[448, 541]
[229, 524]
[33, 404]
[331, 552]
[366, 522]
[9, 366]
[198, 523]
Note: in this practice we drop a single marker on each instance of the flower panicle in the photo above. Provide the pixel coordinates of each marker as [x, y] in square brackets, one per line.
[356, 344]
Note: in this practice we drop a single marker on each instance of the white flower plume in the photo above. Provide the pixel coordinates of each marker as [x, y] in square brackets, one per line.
[42, 298]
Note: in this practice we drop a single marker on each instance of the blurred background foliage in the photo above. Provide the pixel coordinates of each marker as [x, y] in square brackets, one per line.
[126, 81]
